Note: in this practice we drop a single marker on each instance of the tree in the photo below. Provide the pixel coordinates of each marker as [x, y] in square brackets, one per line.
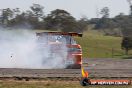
[130, 5]
[36, 16]
[82, 24]
[103, 22]
[60, 20]
[105, 12]
[18, 21]
[6, 15]
[16, 11]
[37, 10]
[126, 44]
[124, 22]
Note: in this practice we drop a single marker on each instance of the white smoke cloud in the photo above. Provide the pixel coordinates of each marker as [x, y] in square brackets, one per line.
[20, 49]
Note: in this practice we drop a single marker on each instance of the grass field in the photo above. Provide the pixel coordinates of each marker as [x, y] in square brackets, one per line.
[96, 45]
[51, 84]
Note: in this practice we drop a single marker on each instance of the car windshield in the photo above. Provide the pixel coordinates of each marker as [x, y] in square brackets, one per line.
[64, 39]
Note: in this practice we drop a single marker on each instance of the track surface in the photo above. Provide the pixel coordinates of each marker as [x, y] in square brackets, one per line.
[108, 67]
[95, 67]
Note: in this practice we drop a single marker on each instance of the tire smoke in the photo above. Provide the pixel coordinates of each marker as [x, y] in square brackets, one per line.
[20, 49]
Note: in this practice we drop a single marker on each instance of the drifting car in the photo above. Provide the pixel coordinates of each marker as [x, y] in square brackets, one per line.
[63, 44]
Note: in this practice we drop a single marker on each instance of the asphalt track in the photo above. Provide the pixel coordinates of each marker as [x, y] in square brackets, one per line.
[97, 68]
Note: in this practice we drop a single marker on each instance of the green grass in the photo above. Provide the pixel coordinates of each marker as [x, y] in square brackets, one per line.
[96, 45]
[51, 84]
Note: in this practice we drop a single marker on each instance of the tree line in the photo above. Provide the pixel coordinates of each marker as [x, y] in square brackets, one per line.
[58, 19]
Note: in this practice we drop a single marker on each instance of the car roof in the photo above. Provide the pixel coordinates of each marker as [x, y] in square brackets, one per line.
[60, 33]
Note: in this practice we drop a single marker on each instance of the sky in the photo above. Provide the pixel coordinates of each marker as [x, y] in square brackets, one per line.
[77, 8]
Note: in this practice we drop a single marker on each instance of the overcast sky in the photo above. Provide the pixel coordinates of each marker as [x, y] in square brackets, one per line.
[77, 8]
